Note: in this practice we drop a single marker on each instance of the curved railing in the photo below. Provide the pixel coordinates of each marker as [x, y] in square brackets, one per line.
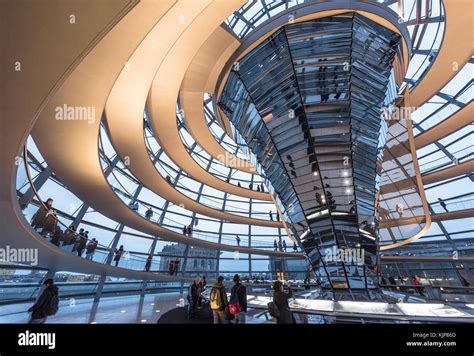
[167, 170]
[102, 253]
[201, 234]
[132, 260]
[204, 161]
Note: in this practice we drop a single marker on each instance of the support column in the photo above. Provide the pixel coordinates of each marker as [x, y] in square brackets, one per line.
[98, 295]
[26, 199]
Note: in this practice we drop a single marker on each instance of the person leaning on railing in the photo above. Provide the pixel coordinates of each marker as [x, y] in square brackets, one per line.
[69, 238]
[41, 214]
[45, 218]
[90, 249]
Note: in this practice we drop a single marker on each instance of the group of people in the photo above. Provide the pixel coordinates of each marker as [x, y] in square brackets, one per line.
[270, 215]
[45, 221]
[327, 200]
[188, 231]
[195, 295]
[233, 309]
[402, 285]
[281, 246]
[173, 267]
[225, 310]
[328, 81]
[260, 187]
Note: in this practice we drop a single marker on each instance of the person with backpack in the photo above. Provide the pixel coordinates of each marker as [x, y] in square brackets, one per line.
[238, 301]
[218, 301]
[46, 305]
[279, 308]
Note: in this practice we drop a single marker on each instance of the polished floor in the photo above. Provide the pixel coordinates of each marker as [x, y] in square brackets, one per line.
[124, 309]
[111, 310]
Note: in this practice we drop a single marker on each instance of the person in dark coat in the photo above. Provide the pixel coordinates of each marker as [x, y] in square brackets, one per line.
[171, 267]
[280, 298]
[81, 244]
[118, 255]
[39, 309]
[193, 297]
[40, 216]
[58, 236]
[148, 263]
[443, 204]
[149, 214]
[50, 222]
[200, 290]
[77, 239]
[392, 282]
[176, 266]
[69, 237]
[238, 293]
[307, 283]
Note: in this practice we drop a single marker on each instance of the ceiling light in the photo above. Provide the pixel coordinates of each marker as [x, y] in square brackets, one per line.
[304, 234]
[315, 173]
[319, 213]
